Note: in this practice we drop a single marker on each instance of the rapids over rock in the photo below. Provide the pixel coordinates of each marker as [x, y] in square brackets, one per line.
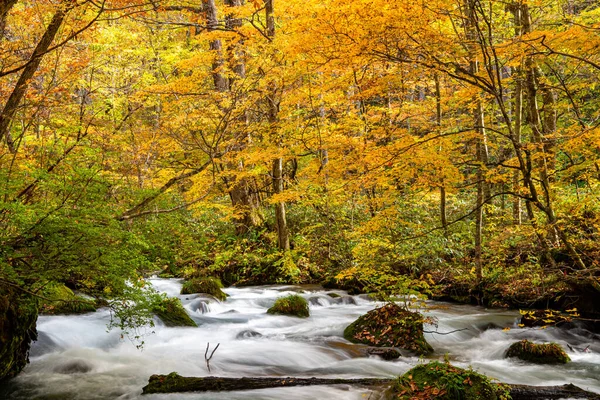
[75, 358]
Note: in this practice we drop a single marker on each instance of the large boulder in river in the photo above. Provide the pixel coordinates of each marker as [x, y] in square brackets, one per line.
[293, 305]
[437, 380]
[59, 299]
[208, 285]
[18, 316]
[171, 313]
[548, 353]
[390, 326]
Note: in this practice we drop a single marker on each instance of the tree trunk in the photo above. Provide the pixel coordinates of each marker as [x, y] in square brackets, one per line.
[174, 383]
[438, 107]
[10, 108]
[277, 170]
[481, 145]
[5, 7]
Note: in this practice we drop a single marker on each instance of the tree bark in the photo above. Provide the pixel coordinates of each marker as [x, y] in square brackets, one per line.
[5, 7]
[277, 168]
[10, 108]
[174, 383]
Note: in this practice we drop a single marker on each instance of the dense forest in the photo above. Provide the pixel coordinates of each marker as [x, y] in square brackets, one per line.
[449, 149]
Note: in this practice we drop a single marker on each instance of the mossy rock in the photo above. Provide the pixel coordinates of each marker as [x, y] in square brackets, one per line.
[390, 326]
[18, 317]
[171, 312]
[208, 285]
[62, 300]
[444, 381]
[293, 305]
[548, 353]
[333, 295]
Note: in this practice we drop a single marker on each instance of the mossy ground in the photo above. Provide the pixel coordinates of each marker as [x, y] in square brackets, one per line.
[172, 313]
[208, 285]
[548, 353]
[390, 326]
[62, 300]
[293, 305]
[444, 381]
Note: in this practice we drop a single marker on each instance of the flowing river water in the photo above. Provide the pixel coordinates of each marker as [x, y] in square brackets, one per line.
[76, 358]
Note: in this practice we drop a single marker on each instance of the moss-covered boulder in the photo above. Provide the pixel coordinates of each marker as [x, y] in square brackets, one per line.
[59, 299]
[208, 285]
[18, 316]
[548, 353]
[444, 381]
[171, 313]
[390, 326]
[293, 305]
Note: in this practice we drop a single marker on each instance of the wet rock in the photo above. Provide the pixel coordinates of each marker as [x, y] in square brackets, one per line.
[537, 318]
[390, 326]
[43, 345]
[73, 367]
[385, 353]
[333, 295]
[62, 300]
[248, 334]
[488, 326]
[18, 316]
[201, 306]
[208, 285]
[319, 301]
[171, 313]
[548, 353]
[292, 305]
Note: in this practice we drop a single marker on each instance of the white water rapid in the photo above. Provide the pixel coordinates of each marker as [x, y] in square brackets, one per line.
[76, 358]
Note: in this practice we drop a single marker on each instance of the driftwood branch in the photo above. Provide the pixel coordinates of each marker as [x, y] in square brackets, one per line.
[206, 358]
[174, 383]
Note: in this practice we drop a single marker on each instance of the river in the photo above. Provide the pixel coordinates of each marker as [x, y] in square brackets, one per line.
[76, 358]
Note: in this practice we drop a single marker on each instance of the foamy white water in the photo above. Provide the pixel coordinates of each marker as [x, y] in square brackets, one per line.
[76, 358]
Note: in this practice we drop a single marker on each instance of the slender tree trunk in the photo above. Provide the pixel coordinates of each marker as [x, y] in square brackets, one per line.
[277, 169]
[10, 108]
[438, 107]
[540, 130]
[481, 144]
[5, 7]
[518, 115]
[243, 195]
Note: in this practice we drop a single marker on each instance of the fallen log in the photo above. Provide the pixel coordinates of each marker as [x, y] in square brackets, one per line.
[527, 392]
[174, 383]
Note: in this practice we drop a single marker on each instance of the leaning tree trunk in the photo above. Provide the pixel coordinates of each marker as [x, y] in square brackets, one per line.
[10, 108]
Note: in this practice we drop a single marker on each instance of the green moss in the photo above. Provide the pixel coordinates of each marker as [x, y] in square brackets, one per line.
[390, 326]
[548, 353]
[18, 316]
[293, 305]
[172, 313]
[333, 295]
[437, 380]
[208, 285]
[62, 300]
[163, 384]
